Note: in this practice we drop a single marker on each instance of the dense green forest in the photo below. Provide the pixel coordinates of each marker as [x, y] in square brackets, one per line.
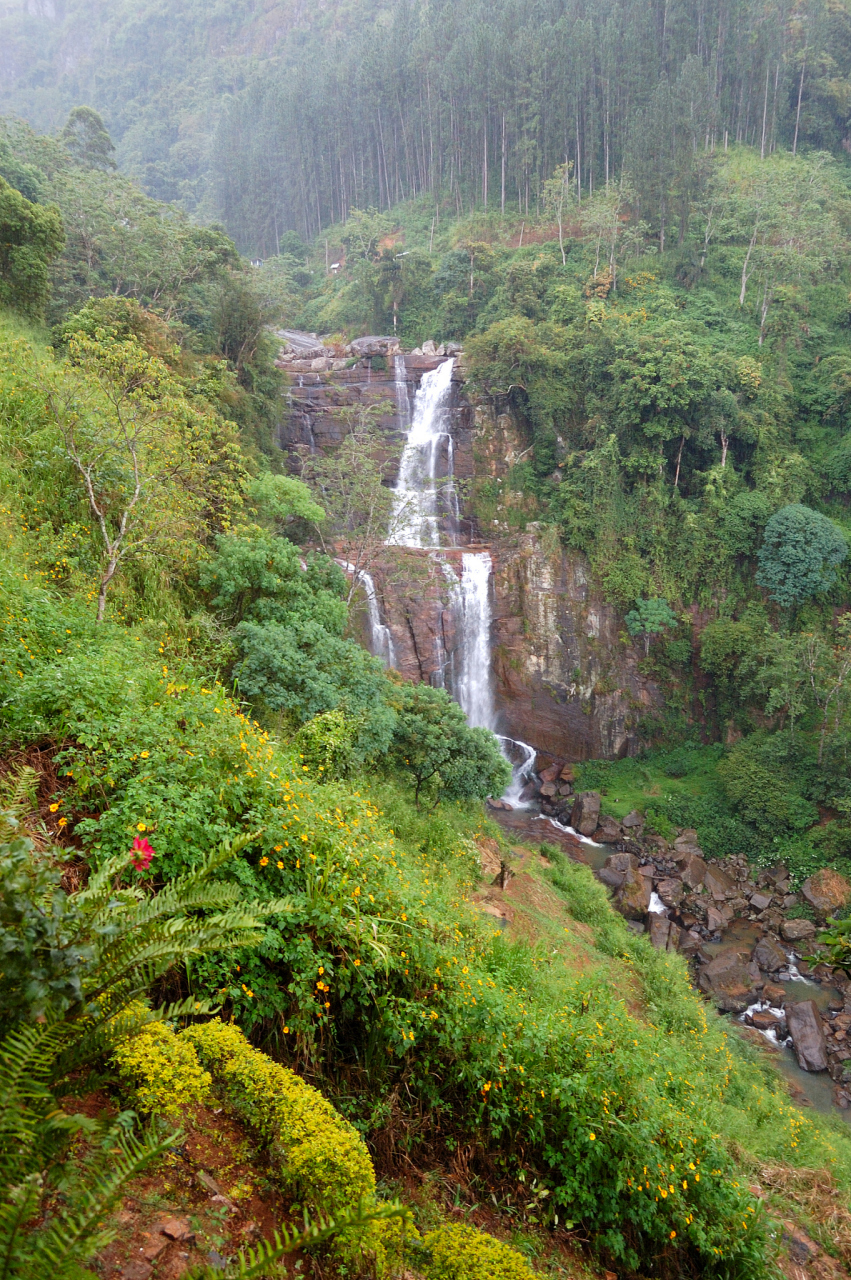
[271, 118]
[221, 817]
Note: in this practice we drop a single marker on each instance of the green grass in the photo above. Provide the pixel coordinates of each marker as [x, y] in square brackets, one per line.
[683, 772]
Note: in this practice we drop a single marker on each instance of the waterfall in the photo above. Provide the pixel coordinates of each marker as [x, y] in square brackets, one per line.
[380, 634]
[420, 507]
[403, 404]
[523, 768]
[415, 521]
[474, 691]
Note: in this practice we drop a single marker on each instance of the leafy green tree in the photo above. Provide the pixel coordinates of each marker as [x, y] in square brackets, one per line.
[799, 555]
[156, 464]
[649, 618]
[435, 747]
[31, 237]
[288, 627]
[87, 141]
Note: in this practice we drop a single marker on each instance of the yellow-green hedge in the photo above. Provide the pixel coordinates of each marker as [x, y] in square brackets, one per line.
[463, 1253]
[162, 1069]
[324, 1160]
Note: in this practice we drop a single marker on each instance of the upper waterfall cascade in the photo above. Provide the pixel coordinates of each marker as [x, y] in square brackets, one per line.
[423, 499]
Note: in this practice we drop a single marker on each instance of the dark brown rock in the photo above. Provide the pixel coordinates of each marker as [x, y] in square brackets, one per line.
[550, 774]
[765, 1020]
[633, 896]
[774, 993]
[585, 813]
[826, 892]
[608, 832]
[760, 901]
[715, 920]
[769, 955]
[177, 1229]
[686, 843]
[549, 789]
[633, 819]
[659, 928]
[670, 891]
[804, 1023]
[730, 981]
[718, 883]
[797, 930]
[137, 1269]
[693, 870]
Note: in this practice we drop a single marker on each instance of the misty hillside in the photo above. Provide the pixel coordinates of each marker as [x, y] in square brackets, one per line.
[285, 116]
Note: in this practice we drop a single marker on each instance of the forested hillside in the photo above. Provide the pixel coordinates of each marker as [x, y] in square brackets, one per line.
[274, 117]
[277, 994]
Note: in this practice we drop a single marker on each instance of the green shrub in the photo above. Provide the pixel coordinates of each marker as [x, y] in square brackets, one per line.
[163, 1070]
[325, 1160]
[463, 1253]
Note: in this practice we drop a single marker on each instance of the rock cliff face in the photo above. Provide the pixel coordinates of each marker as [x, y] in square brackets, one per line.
[563, 678]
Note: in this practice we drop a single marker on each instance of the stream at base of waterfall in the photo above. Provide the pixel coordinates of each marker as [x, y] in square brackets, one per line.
[425, 516]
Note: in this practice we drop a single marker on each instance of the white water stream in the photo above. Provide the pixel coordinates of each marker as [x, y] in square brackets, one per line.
[416, 516]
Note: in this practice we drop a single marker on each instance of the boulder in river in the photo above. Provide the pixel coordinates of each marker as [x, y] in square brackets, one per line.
[731, 982]
[718, 883]
[608, 832]
[826, 892]
[670, 891]
[692, 870]
[769, 955]
[632, 897]
[804, 1023]
[585, 813]
[797, 930]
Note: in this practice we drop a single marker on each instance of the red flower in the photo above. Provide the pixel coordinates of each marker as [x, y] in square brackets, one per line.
[141, 854]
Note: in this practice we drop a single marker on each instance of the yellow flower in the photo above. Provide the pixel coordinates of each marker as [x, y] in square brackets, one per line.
[53, 808]
[144, 754]
[278, 848]
[63, 822]
[264, 862]
[673, 1234]
[286, 1031]
[592, 1136]
[321, 970]
[280, 866]
[140, 826]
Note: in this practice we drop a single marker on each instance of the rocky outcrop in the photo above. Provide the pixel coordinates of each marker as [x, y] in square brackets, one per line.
[826, 892]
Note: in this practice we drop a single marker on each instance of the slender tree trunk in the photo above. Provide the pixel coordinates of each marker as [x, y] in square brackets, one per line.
[724, 442]
[798, 111]
[679, 460]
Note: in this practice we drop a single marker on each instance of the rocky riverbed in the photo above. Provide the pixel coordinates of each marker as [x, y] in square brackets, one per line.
[743, 930]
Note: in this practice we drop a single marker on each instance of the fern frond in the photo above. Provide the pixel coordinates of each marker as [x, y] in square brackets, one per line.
[19, 1205]
[254, 1264]
[78, 1234]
